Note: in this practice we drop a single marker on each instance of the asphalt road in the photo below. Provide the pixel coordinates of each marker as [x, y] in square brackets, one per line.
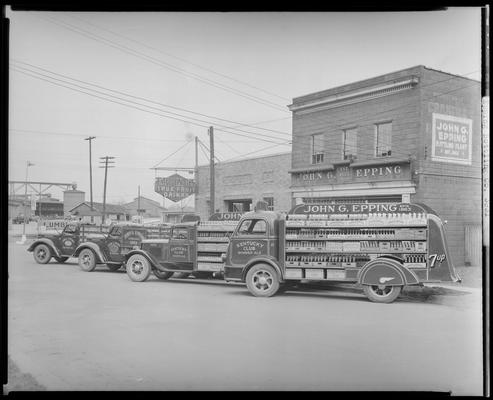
[75, 330]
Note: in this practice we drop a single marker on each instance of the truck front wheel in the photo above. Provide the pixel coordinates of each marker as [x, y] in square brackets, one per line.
[138, 268]
[262, 280]
[381, 293]
[42, 254]
[87, 260]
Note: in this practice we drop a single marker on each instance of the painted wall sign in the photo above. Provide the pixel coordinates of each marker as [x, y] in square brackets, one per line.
[451, 139]
[174, 187]
[346, 174]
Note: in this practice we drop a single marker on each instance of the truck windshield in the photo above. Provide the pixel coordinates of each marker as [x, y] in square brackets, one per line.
[70, 228]
[180, 233]
[116, 231]
[253, 227]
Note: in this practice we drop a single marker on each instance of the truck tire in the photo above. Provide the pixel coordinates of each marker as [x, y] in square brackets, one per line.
[61, 260]
[181, 275]
[114, 267]
[163, 275]
[42, 253]
[87, 260]
[382, 294]
[138, 268]
[262, 280]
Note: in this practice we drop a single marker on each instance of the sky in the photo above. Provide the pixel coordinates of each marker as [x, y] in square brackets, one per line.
[146, 84]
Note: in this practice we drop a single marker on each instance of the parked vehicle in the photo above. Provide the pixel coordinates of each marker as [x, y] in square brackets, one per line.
[193, 248]
[381, 247]
[111, 249]
[61, 246]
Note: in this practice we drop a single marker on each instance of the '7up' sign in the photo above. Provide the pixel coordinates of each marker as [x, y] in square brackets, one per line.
[434, 258]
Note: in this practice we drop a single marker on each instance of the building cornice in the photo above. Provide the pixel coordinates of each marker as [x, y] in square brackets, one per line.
[355, 96]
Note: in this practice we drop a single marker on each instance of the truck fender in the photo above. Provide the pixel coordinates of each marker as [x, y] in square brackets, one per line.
[266, 260]
[388, 271]
[47, 242]
[144, 253]
[101, 259]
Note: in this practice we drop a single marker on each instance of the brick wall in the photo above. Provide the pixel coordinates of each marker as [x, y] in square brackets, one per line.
[246, 179]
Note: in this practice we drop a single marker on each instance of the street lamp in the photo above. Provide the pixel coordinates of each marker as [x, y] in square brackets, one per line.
[28, 164]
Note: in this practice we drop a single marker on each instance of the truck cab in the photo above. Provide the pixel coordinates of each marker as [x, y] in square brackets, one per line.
[380, 247]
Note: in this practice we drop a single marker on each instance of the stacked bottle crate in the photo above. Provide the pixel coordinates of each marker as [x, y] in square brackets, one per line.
[212, 242]
[329, 246]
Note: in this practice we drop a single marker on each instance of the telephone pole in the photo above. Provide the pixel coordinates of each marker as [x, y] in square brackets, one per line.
[211, 160]
[107, 164]
[90, 138]
[138, 204]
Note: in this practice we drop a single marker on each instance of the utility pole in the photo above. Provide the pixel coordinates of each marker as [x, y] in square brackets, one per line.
[107, 164]
[138, 204]
[28, 164]
[211, 161]
[196, 174]
[90, 138]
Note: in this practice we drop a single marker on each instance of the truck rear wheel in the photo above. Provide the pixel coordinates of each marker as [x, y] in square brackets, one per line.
[138, 268]
[87, 260]
[42, 254]
[262, 280]
[163, 275]
[381, 293]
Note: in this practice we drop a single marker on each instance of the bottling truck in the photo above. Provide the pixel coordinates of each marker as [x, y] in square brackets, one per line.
[62, 245]
[193, 247]
[381, 247]
[110, 249]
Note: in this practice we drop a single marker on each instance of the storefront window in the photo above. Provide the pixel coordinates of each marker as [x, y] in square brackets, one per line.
[317, 146]
[349, 140]
[383, 139]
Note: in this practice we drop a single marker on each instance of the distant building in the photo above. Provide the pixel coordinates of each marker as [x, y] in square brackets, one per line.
[175, 213]
[71, 198]
[49, 208]
[113, 212]
[144, 207]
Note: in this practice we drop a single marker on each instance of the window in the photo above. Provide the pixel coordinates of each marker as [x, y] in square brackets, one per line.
[253, 227]
[317, 145]
[116, 231]
[270, 203]
[383, 139]
[349, 143]
[70, 228]
[180, 233]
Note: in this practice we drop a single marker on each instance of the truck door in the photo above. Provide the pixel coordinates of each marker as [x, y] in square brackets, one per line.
[113, 245]
[249, 241]
[68, 239]
[181, 246]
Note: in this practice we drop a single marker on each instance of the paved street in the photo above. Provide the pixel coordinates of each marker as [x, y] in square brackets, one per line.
[74, 330]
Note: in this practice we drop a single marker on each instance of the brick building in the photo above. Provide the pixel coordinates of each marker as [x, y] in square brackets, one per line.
[240, 184]
[410, 135]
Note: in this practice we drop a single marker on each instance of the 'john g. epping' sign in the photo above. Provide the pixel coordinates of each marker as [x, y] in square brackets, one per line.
[451, 139]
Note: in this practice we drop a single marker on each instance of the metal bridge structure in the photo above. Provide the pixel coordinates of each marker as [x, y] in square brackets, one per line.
[19, 188]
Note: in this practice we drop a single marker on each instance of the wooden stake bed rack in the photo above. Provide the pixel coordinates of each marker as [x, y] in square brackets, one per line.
[212, 242]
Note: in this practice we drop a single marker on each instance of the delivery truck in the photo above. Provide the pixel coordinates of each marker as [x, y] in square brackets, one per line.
[380, 247]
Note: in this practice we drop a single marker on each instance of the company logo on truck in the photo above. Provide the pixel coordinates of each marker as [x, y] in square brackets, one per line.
[250, 247]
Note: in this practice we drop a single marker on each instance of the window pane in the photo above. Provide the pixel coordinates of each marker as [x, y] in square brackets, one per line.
[384, 138]
[350, 143]
[317, 146]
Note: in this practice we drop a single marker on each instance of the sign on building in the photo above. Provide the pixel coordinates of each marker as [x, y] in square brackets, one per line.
[174, 187]
[451, 139]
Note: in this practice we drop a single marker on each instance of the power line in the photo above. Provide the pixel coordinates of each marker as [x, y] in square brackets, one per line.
[181, 59]
[144, 99]
[153, 60]
[51, 79]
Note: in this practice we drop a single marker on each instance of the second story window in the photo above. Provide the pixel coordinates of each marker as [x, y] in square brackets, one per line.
[383, 139]
[349, 143]
[317, 147]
